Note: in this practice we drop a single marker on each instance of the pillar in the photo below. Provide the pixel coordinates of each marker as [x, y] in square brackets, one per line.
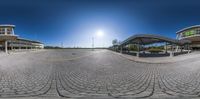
[6, 46]
[121, 49]
[165, 47]
[188, 48]
[138, 53]
[171, 53]
[181, 48]
[13, 31]
[6, 31]
[143, 47]
[11, 44]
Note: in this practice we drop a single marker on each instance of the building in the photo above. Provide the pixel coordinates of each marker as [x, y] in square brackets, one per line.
[191, 33]
[141, 40]
[187, 39]
[10, 41]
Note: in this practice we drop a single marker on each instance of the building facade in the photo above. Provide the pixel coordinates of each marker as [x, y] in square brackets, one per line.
[10, 41]
[191, 33]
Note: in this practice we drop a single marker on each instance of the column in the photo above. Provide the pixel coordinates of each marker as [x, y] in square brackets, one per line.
[166, 47]
[6, 31]
[138, 53]
[181, 48]
[13, 31]
[6, 46]
[128, 48]
[11, 44]
[143, 47]
[121, 49]
[188, 48]
[171, 53]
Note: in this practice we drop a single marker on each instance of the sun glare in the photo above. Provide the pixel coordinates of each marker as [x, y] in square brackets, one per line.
[100, 33]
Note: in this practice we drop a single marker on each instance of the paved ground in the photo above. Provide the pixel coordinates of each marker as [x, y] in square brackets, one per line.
[164, 59]
[85, 74]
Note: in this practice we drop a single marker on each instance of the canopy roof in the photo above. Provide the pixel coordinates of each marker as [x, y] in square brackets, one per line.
[152, 38]
[27, 40]
[188, 28]
[7, 25]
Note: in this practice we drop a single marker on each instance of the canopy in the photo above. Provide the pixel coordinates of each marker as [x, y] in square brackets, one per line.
[152, 38]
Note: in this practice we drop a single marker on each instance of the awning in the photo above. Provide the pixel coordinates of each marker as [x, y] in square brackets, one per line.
[152, 38]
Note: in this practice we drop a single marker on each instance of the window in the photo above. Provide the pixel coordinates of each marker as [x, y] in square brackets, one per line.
[183, 34]
[2, 30]
[198, 31]
[189, 33]
[9, 30]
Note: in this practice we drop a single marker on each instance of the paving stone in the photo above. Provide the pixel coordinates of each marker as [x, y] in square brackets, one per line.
[96, 74]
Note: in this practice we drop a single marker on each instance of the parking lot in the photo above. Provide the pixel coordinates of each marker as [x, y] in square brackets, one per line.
[79, 73]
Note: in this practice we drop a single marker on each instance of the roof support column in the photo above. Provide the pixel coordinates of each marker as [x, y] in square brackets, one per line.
[138, 53]
[128, 49]
[165, 47]
[143, 49]
[171, 53]
[6, 32]
[13, 31]
[188, 48]
[181, 48]
[11, 45]
[6, 46]
[121, 49]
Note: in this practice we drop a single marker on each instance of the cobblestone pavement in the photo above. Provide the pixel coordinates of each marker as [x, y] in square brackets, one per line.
[95, 74]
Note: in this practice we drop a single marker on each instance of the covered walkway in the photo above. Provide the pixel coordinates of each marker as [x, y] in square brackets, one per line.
[171, 45]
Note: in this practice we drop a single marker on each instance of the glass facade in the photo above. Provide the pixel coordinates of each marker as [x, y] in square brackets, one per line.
[6, 30]
[190, 32]
[9, 30]
[2, 30]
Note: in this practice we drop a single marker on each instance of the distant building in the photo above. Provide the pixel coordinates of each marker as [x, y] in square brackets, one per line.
[10, 41]
[191, 33]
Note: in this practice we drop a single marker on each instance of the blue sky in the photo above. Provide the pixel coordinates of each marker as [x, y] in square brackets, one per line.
[75, 22]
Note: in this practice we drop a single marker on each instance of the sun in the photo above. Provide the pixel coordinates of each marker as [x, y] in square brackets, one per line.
[100, 33]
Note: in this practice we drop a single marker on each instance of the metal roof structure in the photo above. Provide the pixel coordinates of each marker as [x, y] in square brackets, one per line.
[187, 28]
[7, 25]
[27, 40]
[152, 38]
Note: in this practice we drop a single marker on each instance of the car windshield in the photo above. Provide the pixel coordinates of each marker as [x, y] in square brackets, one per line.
[99, 49]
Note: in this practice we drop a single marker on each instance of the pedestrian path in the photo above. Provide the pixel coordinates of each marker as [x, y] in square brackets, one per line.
[161, 59]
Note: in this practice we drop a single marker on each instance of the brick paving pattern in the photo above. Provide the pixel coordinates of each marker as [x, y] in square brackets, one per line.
[101, 73]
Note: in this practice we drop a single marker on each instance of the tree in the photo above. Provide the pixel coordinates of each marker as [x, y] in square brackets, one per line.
[132, 47]
[115, 41]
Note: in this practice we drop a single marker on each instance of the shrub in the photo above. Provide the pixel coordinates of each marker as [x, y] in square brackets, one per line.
[155, 50]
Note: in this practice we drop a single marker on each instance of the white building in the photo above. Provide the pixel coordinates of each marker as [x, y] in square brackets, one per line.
[10, 41]
[191, 33]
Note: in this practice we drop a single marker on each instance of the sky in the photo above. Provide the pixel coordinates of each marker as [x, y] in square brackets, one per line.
[73, 23]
